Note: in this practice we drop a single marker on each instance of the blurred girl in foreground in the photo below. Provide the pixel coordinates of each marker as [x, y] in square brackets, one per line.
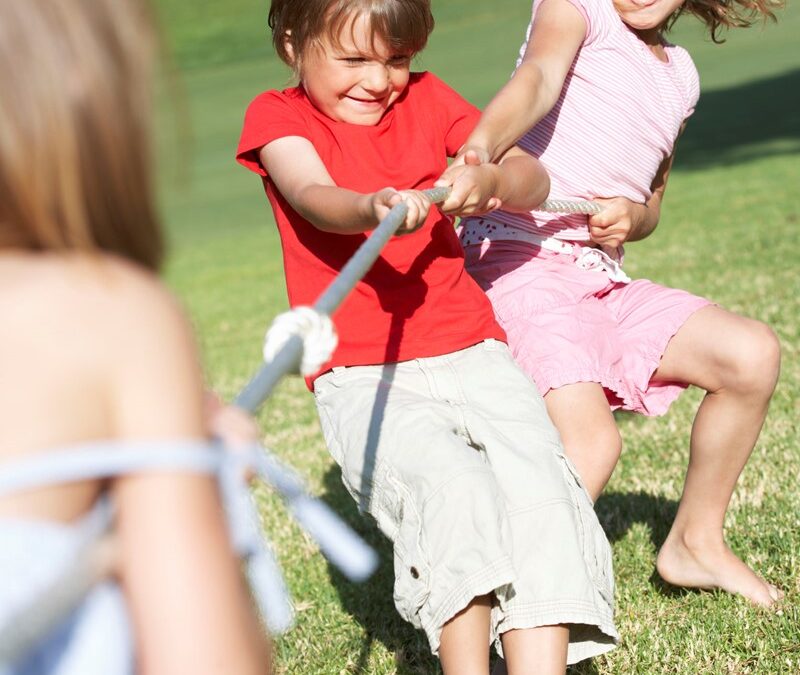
[94, 352]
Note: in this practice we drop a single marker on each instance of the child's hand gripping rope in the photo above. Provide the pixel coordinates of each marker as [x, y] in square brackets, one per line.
[468, 188]
[617, 221]
[472, 190]
[417, 203]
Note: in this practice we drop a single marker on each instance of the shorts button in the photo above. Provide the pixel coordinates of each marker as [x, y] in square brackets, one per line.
[415, 572]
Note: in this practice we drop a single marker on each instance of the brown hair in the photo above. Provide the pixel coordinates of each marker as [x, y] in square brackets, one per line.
[75, 77]
[404, 24]
[720, 14]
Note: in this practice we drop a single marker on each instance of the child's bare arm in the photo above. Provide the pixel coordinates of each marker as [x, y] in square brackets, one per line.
[172, 533]
[556, 35]
[518, 182]
[301, 177]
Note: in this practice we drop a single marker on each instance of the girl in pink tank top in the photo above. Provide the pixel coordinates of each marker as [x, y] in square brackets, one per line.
[601, 97]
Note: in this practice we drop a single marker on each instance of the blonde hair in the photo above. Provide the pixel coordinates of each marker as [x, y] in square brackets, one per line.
[405, 25]
[75, 77]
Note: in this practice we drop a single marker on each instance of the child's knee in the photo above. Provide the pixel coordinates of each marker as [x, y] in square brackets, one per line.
[754, 360]
[610, 443]
[769, 360]
[601, 443]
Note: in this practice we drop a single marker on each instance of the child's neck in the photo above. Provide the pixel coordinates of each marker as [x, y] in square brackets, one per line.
[653, 38]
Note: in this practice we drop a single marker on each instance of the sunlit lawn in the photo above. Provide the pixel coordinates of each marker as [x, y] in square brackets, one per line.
[729, 231]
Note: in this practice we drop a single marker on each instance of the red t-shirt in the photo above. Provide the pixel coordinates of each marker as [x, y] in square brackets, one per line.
[417, 300]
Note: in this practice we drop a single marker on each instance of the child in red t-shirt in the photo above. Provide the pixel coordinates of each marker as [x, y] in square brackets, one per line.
[421, 404]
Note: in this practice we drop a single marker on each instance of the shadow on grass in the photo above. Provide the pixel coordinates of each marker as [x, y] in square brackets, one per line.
[618, 512]
[371, 604]
[752, 120]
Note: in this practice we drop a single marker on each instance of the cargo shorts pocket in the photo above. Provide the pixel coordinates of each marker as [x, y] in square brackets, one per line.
[596, 549]
[398, 516]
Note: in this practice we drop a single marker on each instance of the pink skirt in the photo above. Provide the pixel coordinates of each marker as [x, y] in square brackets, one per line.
[567, 325]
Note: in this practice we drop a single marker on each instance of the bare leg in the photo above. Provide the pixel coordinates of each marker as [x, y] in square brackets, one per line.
[736, 360]
[464, 647]
[588, 431]
[536, 651]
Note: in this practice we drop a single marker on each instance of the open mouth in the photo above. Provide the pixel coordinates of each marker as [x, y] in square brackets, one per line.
[371, 102]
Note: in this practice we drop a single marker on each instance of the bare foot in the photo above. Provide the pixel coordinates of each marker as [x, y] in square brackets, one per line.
[712, 566]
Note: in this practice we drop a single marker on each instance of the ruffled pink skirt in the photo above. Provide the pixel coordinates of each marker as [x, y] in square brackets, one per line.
[566, 324]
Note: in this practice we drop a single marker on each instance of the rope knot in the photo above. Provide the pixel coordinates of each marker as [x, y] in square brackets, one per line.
[316, 330]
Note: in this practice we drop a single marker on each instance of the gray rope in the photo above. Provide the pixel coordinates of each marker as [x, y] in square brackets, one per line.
[287, 359]
[338, 543]
[570, 206]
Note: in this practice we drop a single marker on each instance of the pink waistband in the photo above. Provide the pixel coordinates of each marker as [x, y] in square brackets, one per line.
[483, 231]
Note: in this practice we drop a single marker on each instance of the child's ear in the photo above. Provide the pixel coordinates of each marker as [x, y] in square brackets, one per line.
[288, 46]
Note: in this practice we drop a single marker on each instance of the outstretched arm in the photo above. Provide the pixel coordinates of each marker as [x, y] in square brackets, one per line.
[189, 604]
[301, 177]
[557, 33]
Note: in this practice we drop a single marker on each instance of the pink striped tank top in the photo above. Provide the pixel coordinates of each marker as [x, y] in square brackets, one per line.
[617, 119]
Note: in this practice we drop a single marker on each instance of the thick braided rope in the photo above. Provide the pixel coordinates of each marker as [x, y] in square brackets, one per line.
[570, 206]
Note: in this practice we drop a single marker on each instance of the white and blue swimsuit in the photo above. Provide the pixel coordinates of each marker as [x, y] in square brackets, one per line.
[94, 638]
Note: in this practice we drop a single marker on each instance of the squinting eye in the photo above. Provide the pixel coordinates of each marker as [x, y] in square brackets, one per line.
[355, 60]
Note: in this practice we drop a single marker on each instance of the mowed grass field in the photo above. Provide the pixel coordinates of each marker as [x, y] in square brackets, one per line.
[729, 231]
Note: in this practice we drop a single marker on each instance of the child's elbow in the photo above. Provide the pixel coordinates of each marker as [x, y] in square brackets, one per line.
[538, 184]
[542, 187]
[528, 181]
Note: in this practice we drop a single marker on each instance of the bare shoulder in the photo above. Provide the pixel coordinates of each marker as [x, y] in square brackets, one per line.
[155, 376]
[98, 301]
[138, 303]
[99, 340]
[130, 293]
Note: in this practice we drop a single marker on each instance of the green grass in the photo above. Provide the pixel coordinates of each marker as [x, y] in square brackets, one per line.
[729, 231]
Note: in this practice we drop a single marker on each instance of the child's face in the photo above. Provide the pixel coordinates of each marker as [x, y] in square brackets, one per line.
[356, 81]
[645, 15]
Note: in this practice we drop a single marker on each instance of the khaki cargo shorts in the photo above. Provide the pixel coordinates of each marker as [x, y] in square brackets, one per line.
[456, 459]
